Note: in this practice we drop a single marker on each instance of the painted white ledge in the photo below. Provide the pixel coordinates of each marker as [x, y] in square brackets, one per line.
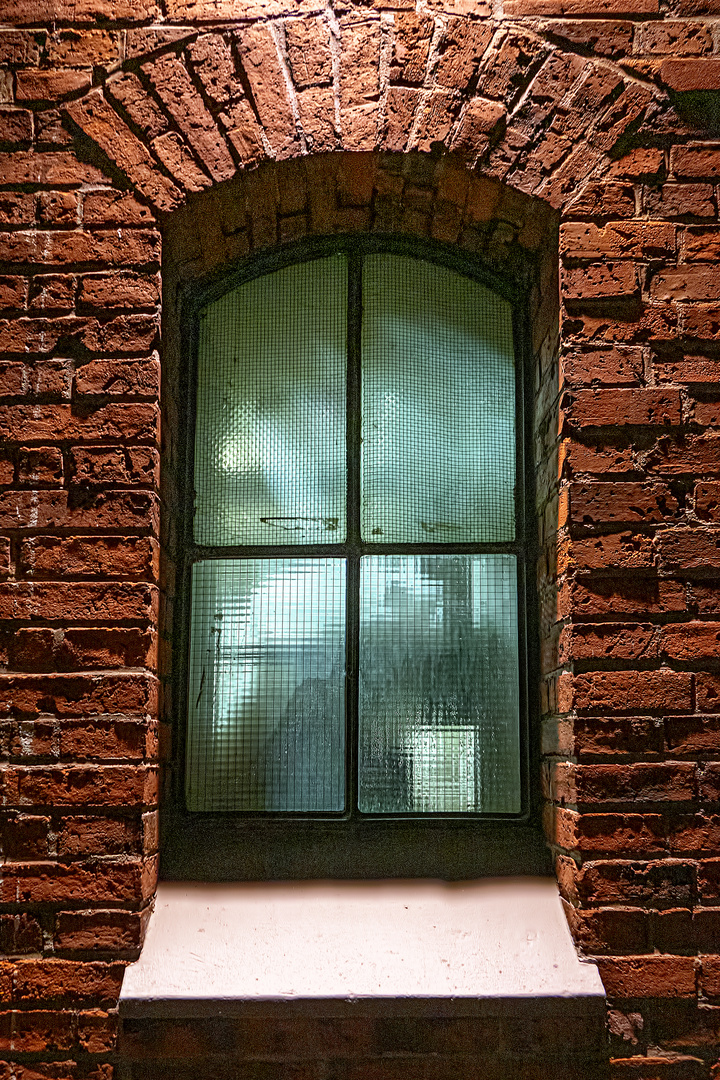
[355, 943]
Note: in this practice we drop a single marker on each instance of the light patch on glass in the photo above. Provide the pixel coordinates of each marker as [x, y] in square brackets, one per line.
[266, 685]
[439, 684]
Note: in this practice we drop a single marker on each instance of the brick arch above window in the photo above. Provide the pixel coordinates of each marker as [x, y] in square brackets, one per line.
[189, 109]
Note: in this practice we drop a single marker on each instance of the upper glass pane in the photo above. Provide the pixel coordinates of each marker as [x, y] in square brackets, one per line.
[270, 462]
[438, 402]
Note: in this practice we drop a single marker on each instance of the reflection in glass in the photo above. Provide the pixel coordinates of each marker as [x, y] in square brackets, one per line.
[439, 709]
[438, 402]
[266, 685]
[270, 430]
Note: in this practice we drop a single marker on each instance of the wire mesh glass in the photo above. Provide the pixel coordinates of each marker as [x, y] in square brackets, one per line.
[439, 719]
[438, 403]
[266, 685]
[270, 464]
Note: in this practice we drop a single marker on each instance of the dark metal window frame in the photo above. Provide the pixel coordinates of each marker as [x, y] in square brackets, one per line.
[254, 844]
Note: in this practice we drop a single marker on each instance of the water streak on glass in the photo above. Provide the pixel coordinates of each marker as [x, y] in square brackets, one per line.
[270, 431]
[439, 676]
[438, 398]
[266, 685]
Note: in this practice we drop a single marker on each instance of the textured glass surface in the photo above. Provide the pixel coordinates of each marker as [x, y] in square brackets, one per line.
[266, 685]
[438, 457]
[270, 429]
[439, 708]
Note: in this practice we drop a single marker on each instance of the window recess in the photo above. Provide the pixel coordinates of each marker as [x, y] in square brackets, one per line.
[356, 553]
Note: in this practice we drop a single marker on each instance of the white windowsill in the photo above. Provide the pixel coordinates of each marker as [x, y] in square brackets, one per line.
[354, 945]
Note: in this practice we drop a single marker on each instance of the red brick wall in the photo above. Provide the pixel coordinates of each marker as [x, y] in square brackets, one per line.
[110, 121]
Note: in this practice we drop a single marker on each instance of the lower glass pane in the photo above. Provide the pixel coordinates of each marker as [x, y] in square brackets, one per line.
[266, 685]
[439, 684]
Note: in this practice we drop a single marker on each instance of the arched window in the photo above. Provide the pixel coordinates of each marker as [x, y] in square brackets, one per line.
[355, 553]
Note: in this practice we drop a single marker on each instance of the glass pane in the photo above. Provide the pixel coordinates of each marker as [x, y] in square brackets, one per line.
[270, 429]
[438, 459]
[439, 702]
[266, 685]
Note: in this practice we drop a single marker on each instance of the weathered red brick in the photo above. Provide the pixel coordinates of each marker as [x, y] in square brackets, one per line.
[73, 981]
[660, 883]
[106, 422]
[50, 169]
[690, 550]
[93, 883]
[99, 931]
[104, 556]
[648, 976]
[25, 696]
[695, 159]
[135, 466]
[40, 85]
[633, 691]
[96, 785]
[77, 601]
[616, 408]
[707, 500]
[88, 835]
[138, 378]
[122, 289]
[616, 240]
[621, 503]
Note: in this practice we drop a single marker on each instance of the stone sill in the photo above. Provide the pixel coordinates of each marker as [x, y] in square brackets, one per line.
[359, 949]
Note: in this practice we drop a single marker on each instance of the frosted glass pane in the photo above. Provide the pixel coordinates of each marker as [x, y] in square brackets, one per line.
[266, 685]
[270, 430]
[438, 377]
[439, 677]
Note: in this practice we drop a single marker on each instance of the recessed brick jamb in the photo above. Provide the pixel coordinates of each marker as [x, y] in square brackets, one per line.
[108, 126]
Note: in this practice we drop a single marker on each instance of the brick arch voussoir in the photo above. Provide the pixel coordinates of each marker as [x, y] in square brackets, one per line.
[508, 105]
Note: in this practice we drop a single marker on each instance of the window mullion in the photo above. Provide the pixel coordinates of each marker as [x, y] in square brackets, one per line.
[354, 445]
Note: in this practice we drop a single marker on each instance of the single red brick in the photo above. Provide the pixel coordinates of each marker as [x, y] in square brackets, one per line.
[106, 422]
[616, 240]
[701, 244]
[99, 931]
[103, 738]
[33, 84]
[308, 46]
[85, 835]
[48, 170]
[122, 466]
[76, 47]
[689, 550]
[673, 931]
[78, 602]
[139, 378]
[621, 503]
[120, 289]
[695, 159]
[97, 1031]
[73, 981]
[682, 75]
[599, 281]
[19, 934]
[680, 200]
[691, 641]
[710, 975]
[114, 208]
[609, 641]
[25, 836]
[707, 693]
[686, 283]
[105, 556]
[25, 696]
[612, 408]
[607, 367]
[692, 736]
[640, 782]
[40, 466]
[99, 785]
[597, 596]
[707, 501]
[625, 550]
[664, 882]
[460, 51]
[610, 930]
[633, 691]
